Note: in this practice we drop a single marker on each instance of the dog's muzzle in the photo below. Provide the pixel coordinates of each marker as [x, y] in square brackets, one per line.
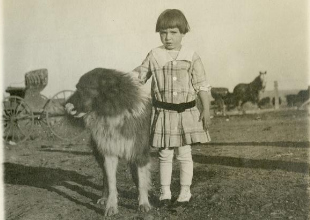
[69, 107]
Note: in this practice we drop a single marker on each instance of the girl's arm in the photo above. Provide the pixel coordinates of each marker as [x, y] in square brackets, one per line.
[143, 71]
[202, 87]
[205, 112]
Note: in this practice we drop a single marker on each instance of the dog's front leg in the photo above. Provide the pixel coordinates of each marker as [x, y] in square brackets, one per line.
[110, 165]
[144, 177]
[100, 159]
[105, 190]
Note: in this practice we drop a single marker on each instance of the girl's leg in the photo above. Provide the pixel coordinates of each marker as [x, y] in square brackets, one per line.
[165, 168]
[184, 156]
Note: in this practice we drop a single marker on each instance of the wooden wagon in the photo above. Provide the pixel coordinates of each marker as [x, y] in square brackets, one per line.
[26, 107]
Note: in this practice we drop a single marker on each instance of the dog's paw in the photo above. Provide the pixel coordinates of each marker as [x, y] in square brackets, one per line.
[111, 211]
[102, 201]
[145, 207]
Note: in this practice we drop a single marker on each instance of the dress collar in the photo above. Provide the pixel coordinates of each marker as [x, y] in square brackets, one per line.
[162, 56]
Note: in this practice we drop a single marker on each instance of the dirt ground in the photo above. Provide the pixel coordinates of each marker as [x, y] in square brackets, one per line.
[256, 167]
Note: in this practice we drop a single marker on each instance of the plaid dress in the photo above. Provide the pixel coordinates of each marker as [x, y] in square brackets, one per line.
[175, 81]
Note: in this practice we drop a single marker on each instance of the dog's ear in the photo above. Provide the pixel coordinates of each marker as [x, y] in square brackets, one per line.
[110, 81]
[110, 85]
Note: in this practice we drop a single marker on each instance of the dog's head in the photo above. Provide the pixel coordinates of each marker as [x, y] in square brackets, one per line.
[104, 91]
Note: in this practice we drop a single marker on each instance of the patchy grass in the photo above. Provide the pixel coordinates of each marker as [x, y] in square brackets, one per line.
[256, 167]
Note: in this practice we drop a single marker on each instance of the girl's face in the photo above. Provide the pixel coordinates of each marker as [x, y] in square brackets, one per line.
[171, 38]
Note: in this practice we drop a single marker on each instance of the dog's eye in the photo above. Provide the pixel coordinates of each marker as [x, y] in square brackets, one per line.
[88, 92]
[93, 92]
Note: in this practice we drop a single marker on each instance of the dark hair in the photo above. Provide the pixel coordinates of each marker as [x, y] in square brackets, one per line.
[172, 18]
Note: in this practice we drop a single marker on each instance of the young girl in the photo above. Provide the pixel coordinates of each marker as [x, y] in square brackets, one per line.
[178, 76]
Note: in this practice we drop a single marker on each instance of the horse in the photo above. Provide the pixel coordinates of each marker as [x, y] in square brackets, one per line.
[245, 92]
[297, 99]
[303, 95]
[222, 97]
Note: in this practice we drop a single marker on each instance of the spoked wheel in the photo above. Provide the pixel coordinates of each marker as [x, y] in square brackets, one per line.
[62, 126]
[17, 120]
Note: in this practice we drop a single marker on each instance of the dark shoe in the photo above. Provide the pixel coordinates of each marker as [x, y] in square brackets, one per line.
[177, 205]
[164, 203]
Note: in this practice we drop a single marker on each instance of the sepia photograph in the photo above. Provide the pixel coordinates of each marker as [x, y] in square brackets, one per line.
[142, 109]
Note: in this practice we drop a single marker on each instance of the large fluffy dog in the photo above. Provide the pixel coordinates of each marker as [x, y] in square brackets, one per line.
[118, 115]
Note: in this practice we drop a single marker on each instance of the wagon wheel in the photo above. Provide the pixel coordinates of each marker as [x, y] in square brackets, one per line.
[40, 121]
[17, 120]
[62, 126]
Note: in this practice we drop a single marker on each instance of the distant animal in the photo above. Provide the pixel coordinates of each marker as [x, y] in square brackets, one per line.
[291, 100]
[264, 101]
[219, 94]
[303, 95]
[245, 92]
[297, 99]
[118, 115]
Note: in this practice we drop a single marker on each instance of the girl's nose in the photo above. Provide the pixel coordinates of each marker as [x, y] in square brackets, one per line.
[168, 36]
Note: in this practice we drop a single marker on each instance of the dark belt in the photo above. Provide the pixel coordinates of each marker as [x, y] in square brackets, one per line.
[174, 107]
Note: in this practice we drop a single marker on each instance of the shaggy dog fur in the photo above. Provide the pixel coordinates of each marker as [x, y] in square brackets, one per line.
[118, 115]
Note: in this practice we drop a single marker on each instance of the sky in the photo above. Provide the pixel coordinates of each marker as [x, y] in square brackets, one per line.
[234, 38]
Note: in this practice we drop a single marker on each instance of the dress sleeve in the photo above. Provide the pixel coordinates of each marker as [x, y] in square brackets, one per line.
[199, 79]
[144, 70]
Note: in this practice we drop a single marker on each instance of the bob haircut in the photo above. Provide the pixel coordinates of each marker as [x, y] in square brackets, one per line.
[172, 18]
